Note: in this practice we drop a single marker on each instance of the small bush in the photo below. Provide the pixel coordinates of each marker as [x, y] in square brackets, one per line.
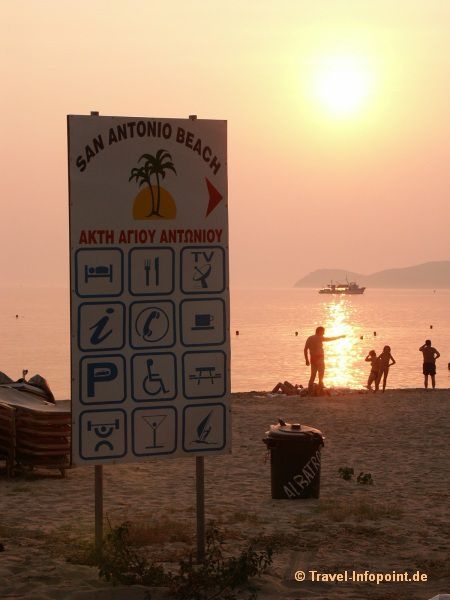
[346, 473]
[215, 578]
[365, 478]
[121, 563]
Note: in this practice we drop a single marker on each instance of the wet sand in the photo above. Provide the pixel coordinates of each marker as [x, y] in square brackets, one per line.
[400, 523]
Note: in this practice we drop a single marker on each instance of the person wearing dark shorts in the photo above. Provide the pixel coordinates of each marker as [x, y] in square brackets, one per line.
[430, 355]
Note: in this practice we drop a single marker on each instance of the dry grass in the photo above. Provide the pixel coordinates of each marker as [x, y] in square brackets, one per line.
[151, 531]
[357, 510]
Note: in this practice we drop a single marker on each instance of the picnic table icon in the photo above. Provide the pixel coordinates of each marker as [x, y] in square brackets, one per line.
[202, 373]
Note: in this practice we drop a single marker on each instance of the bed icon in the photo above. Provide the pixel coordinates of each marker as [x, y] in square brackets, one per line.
[105, 271]
[99, 272]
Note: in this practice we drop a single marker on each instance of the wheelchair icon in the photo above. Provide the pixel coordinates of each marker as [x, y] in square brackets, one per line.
[153, 382]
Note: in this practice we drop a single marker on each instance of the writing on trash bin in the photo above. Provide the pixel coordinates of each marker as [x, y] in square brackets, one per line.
[302, 480]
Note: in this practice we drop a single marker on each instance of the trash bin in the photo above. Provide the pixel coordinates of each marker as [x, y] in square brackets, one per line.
[294, 460]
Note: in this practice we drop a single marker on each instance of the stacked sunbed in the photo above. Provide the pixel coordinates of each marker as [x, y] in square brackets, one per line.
[34, 432]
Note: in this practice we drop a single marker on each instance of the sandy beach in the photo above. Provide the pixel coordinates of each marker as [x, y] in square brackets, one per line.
[400, 523]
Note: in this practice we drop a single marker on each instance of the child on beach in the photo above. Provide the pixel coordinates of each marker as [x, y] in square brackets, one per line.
[385, 360]
[374, 368]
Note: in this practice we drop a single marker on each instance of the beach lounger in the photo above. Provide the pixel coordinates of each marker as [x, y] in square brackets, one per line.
[35, 432]
[7, 437]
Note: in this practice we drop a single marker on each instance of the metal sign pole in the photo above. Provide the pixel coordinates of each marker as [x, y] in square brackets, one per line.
[98, 507]
[200, 489]
[98, 482]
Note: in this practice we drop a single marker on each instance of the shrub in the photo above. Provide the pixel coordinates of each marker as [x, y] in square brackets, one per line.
[215, 578]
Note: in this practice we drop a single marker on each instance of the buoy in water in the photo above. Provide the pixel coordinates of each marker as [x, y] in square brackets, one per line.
[237, 332]
[375, 333]
[296, 333]
[431, 326]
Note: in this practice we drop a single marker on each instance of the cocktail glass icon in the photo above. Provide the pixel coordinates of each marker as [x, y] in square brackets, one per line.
[103, 431]
[154, 422]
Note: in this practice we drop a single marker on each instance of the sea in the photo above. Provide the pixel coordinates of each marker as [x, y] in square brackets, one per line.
[268, 330]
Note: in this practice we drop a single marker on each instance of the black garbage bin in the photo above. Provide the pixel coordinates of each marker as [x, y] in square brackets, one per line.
[294, 460]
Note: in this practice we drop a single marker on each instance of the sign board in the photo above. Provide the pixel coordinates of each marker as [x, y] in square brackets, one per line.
[149, 288]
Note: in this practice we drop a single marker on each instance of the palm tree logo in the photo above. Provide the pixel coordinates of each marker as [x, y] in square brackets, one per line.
[151, 203]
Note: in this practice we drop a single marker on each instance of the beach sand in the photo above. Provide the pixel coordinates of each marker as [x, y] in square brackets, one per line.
[400, 523]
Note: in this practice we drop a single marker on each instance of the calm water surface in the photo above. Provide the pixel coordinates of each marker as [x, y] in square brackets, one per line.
[267, 349]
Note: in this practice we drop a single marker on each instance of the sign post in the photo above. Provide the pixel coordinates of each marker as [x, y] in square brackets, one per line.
[150, 340]
[200, 491]
[98, 507]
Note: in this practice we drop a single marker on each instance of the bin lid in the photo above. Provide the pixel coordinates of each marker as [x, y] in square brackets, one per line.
[291, 430]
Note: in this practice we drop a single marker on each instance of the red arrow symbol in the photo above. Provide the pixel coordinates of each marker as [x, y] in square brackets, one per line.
[214, 197]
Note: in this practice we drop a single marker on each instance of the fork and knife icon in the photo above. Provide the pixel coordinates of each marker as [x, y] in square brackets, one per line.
[148, 268]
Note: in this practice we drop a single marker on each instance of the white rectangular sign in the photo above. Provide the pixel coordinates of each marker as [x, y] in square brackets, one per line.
[150, 340]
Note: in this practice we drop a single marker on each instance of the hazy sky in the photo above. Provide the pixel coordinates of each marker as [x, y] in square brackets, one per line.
[338, 122]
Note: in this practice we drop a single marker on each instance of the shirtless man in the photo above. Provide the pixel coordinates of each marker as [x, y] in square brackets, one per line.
[430, 355]
[316, 356]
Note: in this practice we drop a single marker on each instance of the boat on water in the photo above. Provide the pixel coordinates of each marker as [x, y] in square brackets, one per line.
[349, 288]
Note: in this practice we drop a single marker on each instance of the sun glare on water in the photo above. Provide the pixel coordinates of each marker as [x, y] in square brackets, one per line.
[342, 354]
[342, 85]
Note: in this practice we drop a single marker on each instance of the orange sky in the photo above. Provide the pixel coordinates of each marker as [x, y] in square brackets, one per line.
[308, 188]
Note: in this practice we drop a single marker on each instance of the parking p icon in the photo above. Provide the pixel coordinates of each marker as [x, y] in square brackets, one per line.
[102, 379]
[99, 372]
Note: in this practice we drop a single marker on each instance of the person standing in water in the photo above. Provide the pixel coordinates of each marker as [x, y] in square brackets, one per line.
[430, 355]
[385, 360]
[315, 356]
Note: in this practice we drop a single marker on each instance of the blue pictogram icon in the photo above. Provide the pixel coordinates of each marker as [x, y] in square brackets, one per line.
[102, 434]
[101, 326]
[99, 372]
[153, 378]
[151, 271]
[204, 427]
[99, 272]
[102, 379]
[154, 422]
[152, 324]
[202, 269]
[102, 271]
[203, 430]
[98, 335]
[103, 431]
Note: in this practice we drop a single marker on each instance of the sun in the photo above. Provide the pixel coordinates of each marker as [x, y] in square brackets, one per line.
[342, 85]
